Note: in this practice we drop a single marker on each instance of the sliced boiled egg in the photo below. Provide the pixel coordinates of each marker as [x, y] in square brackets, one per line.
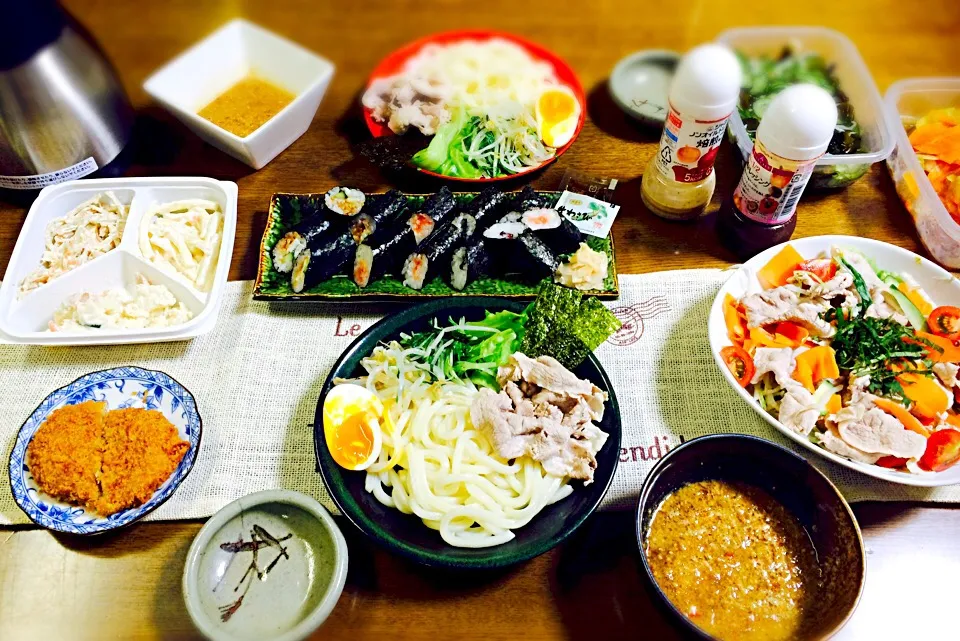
[352, 417]
[557, 112]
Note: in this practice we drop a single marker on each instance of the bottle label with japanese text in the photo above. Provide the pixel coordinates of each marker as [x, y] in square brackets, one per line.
[688, 147]
[771, 186]
[39, 181]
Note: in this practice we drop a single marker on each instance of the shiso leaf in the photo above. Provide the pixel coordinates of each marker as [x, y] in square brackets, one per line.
[563, 324]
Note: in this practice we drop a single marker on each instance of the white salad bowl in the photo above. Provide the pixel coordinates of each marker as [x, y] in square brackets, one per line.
[196, 77]
[940, 286]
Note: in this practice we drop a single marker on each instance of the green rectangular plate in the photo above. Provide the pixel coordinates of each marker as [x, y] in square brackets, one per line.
[285, 212]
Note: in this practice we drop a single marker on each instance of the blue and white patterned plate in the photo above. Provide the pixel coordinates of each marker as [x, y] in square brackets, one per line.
[121, 387]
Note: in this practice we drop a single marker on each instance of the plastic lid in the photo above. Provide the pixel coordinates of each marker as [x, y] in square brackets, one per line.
[707, 82]
[799, 122]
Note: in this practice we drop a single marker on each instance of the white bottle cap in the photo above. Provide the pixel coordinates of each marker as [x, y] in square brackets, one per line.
[706, 85]
[799, 122]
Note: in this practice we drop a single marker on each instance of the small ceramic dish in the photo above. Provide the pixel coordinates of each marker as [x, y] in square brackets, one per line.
[793, 482]
[197, 76]
[405, 534]
[640, 84]
[270, 565]
[940, 286]
[121, 387]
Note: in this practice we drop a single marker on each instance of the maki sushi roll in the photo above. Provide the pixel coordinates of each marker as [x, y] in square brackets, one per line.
[527, 198]
[344, 200]
[431, 255]
[374, 261]
[435, 211]
[469, 262]
[534, 260]
[488, 205]
[321, 261]
[304, 233]
[384, 211]
[553, 228]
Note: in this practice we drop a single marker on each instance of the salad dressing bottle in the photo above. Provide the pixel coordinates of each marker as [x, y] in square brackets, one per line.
[679, 180]
[793, 134]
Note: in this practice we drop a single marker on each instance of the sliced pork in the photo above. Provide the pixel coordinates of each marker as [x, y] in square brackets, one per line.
[543, 411]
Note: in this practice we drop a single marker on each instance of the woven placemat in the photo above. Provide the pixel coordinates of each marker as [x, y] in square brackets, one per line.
[257, 377]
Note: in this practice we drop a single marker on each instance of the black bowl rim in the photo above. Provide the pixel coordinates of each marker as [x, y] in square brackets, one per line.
[411, 552]
[776, 450]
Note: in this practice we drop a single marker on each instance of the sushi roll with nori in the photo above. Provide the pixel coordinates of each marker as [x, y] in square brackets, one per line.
[469, 262]
[288, 248]
[372, 262]
[553, 228]
[431, 255]
[385, 210]
[435, 211]
[527, 198]
[488, 206]
[344, 200]
[465, 224]
[512, 217]
[505, 230]
[319, 262]
[534, 260]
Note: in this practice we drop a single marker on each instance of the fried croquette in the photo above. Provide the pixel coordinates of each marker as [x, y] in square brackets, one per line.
[105, 461]
[66, 452]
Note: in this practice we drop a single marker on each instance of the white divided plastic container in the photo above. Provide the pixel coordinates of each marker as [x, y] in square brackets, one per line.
[912, 99]
[832, 171]
[24, 320]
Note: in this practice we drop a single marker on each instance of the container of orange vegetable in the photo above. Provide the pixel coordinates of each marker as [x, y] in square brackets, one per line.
[925, 164]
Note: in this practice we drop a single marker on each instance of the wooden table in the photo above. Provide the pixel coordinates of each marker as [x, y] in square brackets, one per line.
[127, 585]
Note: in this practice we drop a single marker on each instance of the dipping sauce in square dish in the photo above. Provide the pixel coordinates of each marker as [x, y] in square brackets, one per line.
[246, 106]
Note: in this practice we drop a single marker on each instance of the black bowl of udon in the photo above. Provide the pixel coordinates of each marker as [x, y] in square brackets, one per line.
[406, 534]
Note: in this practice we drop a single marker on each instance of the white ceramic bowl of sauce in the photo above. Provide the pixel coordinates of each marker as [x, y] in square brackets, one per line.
[238, 49]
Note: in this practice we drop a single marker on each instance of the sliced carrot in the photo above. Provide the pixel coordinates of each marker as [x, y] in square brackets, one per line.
[929, 398]
[736, 327]
[926, 139]
[947, 352]
[780, 268]
[953, 419]
[917, 297]
[901, 413]
[835, 404]
[763, 338]
[815, 365]
[791, 332]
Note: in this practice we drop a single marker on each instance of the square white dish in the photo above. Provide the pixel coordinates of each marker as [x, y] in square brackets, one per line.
[198, 75]
[940, 286]
[23, 320]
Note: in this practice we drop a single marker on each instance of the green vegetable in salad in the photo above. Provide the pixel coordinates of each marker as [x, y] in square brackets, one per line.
[764, 77]
[497, 144]
[445, 153]
[465, 350]
[560, 323]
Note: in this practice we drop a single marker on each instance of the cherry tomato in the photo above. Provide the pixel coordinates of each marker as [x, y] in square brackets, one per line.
[822, 268]
[739, 363]
[945, 321]
[892, 462]
[943, 450]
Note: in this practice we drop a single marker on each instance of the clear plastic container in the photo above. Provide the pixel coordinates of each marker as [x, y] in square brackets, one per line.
[907, 100]
[24, 319]
[832, 171]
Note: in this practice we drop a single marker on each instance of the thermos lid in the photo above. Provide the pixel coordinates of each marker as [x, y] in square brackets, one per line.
[35, 24]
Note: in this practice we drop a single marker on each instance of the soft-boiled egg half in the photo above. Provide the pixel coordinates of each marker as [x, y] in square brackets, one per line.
[352, 417]
[557, 112]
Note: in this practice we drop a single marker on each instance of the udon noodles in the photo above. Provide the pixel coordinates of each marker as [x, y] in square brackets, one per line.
[434, 464]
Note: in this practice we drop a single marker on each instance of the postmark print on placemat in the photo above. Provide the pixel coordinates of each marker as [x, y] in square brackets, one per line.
[633, 317]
